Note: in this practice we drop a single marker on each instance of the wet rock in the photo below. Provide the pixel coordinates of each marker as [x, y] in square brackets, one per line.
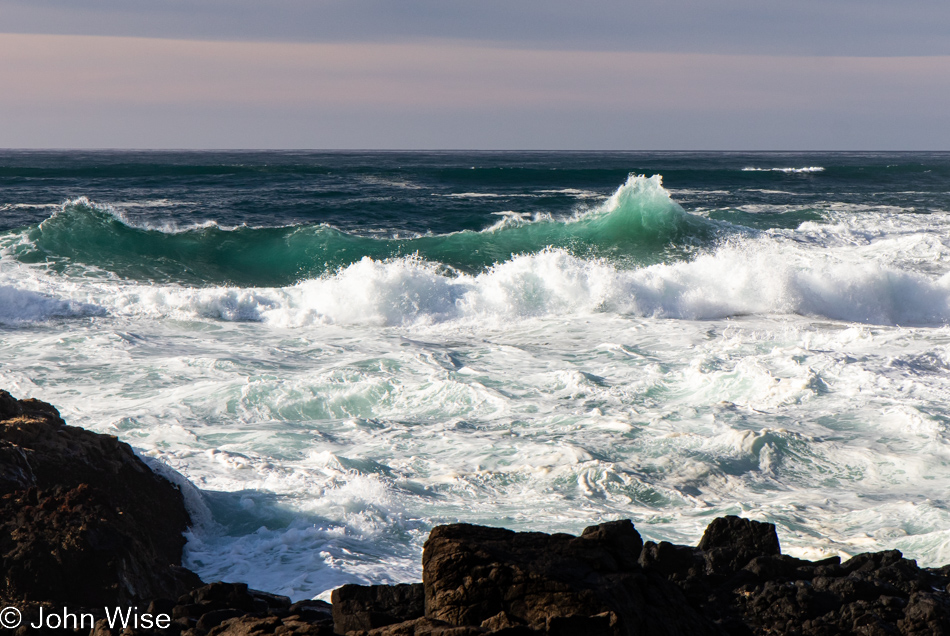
[729, 543]
[365, 607]
[552, 582]
[76, 506]
[676, 562]
[312, 611]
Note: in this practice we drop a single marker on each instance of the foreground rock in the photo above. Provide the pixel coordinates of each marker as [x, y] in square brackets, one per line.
[481, 580]
[83, 521]
[86, 525]
[552, 583]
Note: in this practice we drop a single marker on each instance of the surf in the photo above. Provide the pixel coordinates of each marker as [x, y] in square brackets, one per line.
[639, 224]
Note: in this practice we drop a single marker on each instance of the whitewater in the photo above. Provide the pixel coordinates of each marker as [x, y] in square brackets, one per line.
[333, 352]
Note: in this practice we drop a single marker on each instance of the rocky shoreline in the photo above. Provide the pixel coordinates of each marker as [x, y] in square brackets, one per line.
[86, 525]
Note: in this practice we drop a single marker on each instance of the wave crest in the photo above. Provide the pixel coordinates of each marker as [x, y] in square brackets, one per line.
[745, 278]
[639, 223]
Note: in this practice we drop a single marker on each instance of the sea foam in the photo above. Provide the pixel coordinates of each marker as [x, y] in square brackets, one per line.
[804, 170]
[755, 276]
[20, 306]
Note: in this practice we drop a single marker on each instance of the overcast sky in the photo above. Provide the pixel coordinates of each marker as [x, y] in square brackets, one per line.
[602, 74]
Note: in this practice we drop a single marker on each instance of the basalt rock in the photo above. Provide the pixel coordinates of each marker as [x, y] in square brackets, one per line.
[738, 578]
[365, 607]
[232, 609]
[480, 580]
[83, 521]
[552, 583]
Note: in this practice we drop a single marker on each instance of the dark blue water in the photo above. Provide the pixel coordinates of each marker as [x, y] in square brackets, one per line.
[406, 191]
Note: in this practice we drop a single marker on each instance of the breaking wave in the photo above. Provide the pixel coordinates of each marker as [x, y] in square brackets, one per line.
[747, 277]
[639, 224]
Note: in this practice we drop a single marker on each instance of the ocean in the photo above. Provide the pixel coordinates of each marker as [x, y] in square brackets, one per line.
[333, 352]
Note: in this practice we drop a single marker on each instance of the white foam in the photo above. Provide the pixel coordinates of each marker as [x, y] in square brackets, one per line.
[29, 206]
[117, 210]
[746, 277]
[486, 195]
[806, 169]
[20, 306]
[576, 193]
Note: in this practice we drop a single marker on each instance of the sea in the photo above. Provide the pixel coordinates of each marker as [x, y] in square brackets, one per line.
[333, 352]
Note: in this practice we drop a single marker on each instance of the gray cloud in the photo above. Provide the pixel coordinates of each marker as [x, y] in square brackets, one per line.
[805, 27]
[69, 91]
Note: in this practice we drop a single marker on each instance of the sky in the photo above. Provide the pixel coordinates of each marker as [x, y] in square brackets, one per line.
[488, 74]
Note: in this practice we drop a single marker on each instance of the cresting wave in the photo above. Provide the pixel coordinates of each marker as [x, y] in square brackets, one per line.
[638, 224]
[459, 276]
[746, 277]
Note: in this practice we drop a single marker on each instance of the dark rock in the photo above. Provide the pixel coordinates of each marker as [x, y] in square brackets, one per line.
[676, 562]
[312, 611]
[926, 613]
[599, 625]
[421, 627]
[221, 595]
[275, 602]
[246, 626]
[161, 606]
[79, 506]
[779, 566]
[212, 619]
[620, 539]
[500, 621]
[473, 573]
[365, 607]
[15, 470]
[741, 534]
[729, 543]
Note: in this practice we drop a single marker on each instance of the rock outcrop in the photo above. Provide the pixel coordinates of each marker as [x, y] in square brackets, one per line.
[365, 607]
[480, 580]
[86, 525]
[551, 583]
[83, 521]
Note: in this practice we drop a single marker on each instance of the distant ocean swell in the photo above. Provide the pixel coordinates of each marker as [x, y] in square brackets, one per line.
[638, 253]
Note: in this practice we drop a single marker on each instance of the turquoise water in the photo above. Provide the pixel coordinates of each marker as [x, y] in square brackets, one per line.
[341, 350]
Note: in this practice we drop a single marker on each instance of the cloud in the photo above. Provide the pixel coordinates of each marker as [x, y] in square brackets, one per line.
[805, 27]
[85, 91]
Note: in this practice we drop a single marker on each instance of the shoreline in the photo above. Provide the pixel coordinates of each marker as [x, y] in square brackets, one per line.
[89, 529]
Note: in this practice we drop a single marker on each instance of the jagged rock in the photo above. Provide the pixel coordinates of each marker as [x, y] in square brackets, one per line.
[251, 625]
[312, 611]
[365, 607]
[729, 543]
[676, 562]
[420, 627]
[83, 521]
[552, 583]
[748, 587]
